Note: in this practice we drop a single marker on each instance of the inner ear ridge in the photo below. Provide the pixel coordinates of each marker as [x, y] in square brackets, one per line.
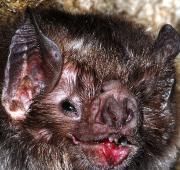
[25, 37]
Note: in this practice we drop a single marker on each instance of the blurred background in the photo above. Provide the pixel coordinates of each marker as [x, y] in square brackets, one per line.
[152, 13]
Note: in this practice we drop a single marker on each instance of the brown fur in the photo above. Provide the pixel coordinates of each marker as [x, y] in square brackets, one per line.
[96, 49]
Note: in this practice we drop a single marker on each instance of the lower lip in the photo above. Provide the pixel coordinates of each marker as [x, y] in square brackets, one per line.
[113, 154]
[106, 153]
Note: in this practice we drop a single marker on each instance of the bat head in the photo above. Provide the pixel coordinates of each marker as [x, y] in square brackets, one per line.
[99, 87]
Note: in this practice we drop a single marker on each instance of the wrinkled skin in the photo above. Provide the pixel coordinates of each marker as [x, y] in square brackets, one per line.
[87, 92]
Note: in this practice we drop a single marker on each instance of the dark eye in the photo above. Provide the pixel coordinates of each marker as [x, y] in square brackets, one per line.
[101, 90]
[69, 109]
[67, 106]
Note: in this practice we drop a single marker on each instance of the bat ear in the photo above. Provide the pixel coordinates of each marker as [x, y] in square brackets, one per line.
[33, 67]
[167, 44]
[166, 48]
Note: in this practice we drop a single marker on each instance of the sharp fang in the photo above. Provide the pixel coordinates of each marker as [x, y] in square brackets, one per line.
[116, 141]
[110, 139]
[124, 142]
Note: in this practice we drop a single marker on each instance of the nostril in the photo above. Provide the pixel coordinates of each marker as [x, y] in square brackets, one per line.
[118, 112]
[109, 112]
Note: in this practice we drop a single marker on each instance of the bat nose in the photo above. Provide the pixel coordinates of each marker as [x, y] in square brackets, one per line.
[117, 113]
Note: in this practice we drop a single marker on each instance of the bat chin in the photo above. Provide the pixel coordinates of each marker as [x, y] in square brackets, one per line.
[107, 152]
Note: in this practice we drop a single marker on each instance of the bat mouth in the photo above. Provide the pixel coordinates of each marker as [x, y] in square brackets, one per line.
[122, 140]
[109, 151]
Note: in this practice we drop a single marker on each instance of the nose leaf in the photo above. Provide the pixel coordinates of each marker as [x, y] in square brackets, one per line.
[117, 113]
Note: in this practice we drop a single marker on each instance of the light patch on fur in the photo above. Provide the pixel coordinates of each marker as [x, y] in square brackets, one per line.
[43, 134]
[66, 161]
[76, 44]
[57, 96]
[79, 45]
[130, 52]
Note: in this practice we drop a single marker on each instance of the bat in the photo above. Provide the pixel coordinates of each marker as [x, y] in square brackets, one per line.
[87, 91]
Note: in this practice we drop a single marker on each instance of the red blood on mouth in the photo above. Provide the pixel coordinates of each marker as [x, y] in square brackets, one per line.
[113, 154]
[105, 153]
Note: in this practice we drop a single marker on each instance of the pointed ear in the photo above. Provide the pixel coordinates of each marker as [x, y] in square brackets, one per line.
[34, 66]
[167, 44]
[165, 49]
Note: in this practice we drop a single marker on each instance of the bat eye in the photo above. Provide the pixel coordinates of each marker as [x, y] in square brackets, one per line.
[101, 90]
[69, 109]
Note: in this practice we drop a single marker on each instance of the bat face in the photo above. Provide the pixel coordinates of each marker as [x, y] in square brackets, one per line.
[99, 121]
[87, 92]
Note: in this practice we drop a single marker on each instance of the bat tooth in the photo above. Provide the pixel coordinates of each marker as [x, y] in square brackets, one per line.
[110, 139]
[115, 140]
[124, 142]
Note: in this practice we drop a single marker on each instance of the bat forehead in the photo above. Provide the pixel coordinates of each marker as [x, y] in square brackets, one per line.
[77, 79]
[81, 81]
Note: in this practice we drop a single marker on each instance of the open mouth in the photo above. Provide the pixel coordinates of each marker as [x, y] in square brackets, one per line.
[109, 151]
